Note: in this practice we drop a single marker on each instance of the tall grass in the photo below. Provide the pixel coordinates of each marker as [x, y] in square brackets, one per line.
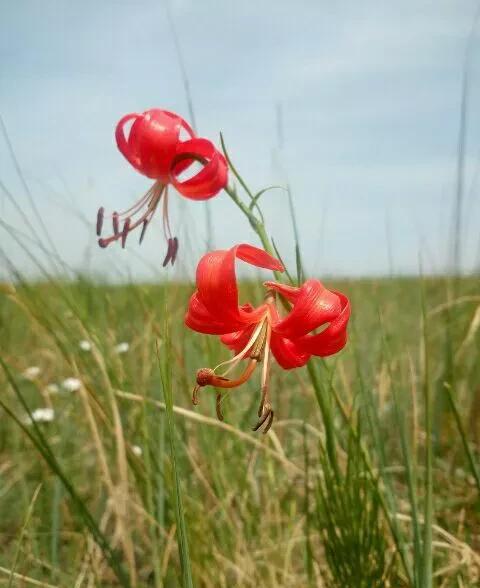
[301, 506]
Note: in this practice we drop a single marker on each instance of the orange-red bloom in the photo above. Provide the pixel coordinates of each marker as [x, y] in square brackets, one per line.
[253, 332]
[154, 148]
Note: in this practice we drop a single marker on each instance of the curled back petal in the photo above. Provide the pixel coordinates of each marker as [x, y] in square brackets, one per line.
[333, 338]
[313, 307]
[152, 141]
[122, 142]
[238, 340]
[209, 180]
[258, 257]
[183, 123]
[199, 319]
[287, 353]
[290, 293]
[217, 285]
[155, 137]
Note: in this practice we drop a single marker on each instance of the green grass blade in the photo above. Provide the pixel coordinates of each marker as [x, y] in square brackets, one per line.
[427, 560]
[408, 459]
[461, 430]
[56, 516]
[308, 514]
[296, 235]
[28, 516]
[325, 405]
[165, 363]
[279, 257]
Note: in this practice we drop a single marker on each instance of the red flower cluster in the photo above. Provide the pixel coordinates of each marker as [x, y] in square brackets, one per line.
[252, 332]
[154, 148]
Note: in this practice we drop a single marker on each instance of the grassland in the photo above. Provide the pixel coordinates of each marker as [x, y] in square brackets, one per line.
[368, 478]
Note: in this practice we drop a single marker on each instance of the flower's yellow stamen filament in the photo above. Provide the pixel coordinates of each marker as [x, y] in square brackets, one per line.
[266, 358]
[150, 200]
[218, 406]
[166, 221]
[257, 350]
[259, 346]
[235, 360]
[154, 193]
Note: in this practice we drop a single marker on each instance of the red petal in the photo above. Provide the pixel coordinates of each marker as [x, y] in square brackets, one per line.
[209, 180]
[199, 319]
[183, 122]
[152, 141]
[313, 307]
[333, 338]
[287, 353]
[123, 144]
[257, 257]
[288, 292]
[214, 307]
[239, 339]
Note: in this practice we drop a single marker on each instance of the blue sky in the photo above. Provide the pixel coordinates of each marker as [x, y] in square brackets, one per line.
[370, 100]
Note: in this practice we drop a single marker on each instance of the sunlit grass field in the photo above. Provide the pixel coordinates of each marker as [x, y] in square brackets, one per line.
[130, 485]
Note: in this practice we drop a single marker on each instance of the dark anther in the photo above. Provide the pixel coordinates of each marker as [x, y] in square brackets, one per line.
[262, 404]
[218, 406]
[266, 417]
[260, 422]
[126, 228]
[168, 257]
[100, 214]
[144, 229]
[269, 423]
[116, 229]
[174, 249]
[195, 395]
[102, 243]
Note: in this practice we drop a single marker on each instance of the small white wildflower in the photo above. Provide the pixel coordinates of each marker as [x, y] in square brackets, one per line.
[85, 345]
[71, 384]
[41, 415]
[122, 347]
[137, 450]
[32, 372]
[52, 389]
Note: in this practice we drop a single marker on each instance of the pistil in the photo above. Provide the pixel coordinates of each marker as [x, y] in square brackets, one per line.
[207, 377]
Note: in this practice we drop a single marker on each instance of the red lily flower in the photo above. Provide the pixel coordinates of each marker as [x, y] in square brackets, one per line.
[154, 148]
[253, 332]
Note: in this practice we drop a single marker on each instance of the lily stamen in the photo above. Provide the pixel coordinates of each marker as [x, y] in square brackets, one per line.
[150, 200]
[235, 360]
[257, 349]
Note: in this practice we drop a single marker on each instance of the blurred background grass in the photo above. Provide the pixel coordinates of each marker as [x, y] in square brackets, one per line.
[258, 511]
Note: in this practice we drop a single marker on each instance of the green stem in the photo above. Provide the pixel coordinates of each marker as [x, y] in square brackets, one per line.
[427, 578]
[261, 231]
[327, 416]
[256, 225]
[326, 410]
